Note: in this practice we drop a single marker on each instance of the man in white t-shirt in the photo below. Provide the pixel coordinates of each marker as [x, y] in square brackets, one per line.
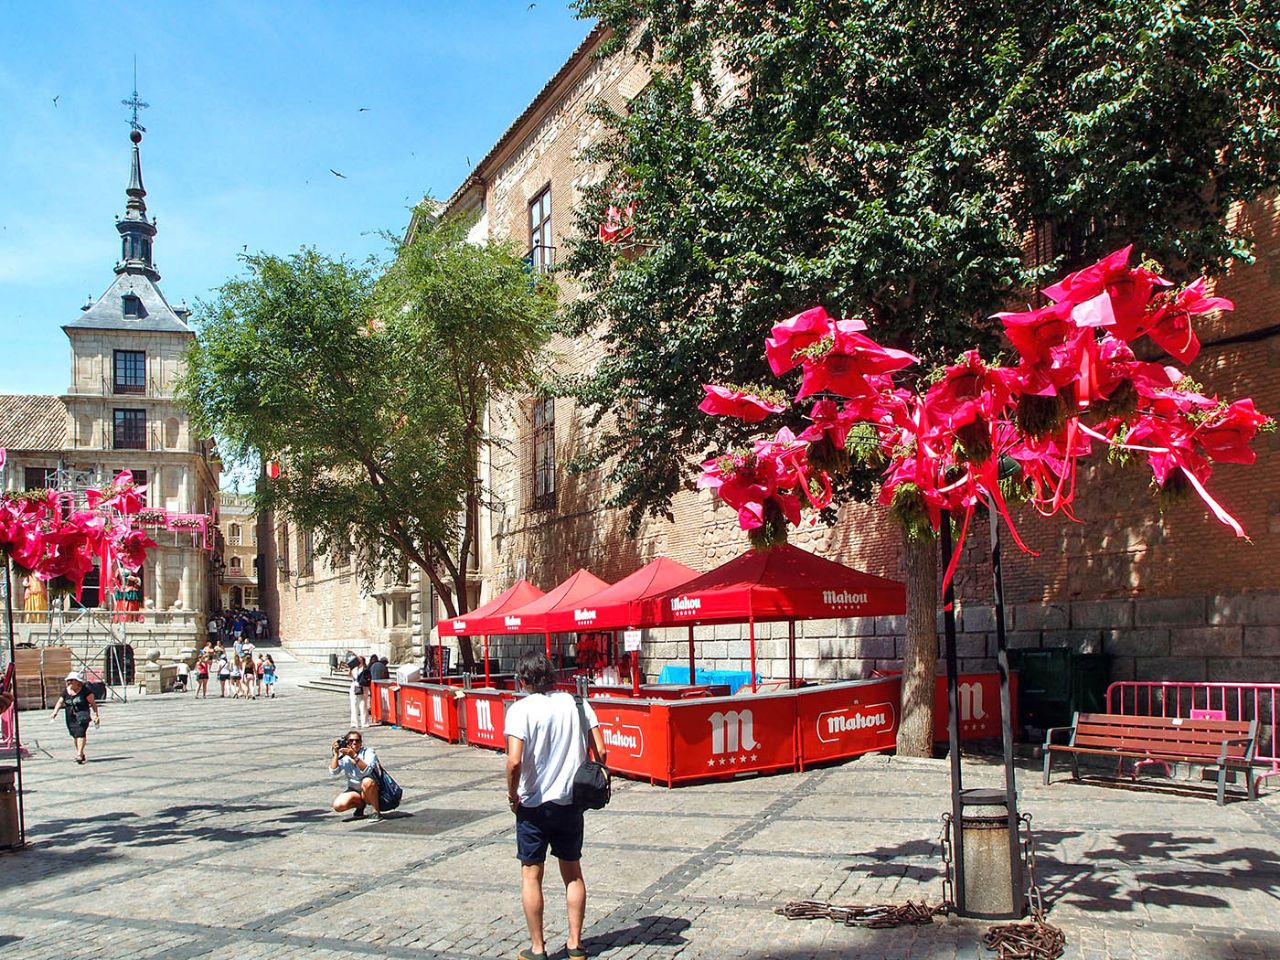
[545, 747]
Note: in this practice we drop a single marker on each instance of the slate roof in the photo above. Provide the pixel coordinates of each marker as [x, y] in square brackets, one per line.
[107, 312]
[32, 422]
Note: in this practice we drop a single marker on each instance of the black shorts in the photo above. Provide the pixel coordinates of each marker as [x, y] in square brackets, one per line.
[554, 825]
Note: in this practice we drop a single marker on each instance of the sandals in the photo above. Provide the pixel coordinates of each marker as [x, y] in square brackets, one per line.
[578, 953]
[528, 954]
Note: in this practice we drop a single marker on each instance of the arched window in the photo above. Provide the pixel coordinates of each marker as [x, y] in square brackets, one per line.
[171, 428]
[234, 535]
[235, 565]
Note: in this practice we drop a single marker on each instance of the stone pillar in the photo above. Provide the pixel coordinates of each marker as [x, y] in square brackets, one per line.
[184, 492]
[155, 488]
[161, 600]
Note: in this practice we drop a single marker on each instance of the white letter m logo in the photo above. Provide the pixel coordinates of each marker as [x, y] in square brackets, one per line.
[732, 731]
[970, 697]
[484, 716]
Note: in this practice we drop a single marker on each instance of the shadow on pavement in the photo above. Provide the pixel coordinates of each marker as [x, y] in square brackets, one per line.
[651, 931]
[182, 823]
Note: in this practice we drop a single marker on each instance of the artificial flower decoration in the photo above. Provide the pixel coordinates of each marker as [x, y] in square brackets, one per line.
[1076, 387]
[739, 403]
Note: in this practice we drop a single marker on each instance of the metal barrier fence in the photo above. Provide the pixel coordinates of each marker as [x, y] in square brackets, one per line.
[1207, 701]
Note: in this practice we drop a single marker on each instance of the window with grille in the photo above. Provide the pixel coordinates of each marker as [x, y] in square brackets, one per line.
[307, 555]
[235, 566]
[541, 252]
[130, 430]
[544, 454]
[234, 535]
[130, 371]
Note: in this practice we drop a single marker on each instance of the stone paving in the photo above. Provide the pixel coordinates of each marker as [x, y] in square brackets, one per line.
[201, 829]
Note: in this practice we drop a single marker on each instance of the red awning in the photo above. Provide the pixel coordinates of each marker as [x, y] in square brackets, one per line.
[784, 583]
[516, 595]
[622, 604]
[532, 616]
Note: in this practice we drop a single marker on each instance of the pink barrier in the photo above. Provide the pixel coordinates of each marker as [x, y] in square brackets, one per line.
[1221, 701]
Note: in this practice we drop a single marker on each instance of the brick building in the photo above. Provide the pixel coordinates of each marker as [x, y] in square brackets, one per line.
[1167, 594]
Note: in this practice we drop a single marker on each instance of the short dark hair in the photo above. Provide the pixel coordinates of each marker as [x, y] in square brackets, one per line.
[535, 672]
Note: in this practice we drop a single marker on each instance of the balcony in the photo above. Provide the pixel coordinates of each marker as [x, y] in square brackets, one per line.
[539, 259]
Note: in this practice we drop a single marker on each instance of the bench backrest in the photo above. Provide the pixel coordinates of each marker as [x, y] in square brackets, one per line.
[1172, 736]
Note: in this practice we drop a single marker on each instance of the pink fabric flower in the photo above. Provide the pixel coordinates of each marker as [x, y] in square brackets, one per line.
[740, 404]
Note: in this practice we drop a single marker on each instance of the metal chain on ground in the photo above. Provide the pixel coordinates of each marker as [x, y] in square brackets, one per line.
[1036, 939]
[944, 841]
[878, 916]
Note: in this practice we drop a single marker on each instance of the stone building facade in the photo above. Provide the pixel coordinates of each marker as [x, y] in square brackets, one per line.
[1166, 592]
[120, 413]
[238, 552]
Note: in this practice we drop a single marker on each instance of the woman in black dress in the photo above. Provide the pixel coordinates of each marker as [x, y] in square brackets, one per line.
[78, 703]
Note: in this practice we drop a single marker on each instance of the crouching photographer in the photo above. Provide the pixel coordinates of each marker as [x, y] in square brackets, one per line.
[359, 764]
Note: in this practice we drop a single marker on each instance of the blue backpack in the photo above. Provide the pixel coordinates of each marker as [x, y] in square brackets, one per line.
[389, 792]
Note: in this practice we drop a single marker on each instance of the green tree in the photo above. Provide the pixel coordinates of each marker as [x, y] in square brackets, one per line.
[371, 391]
[918, 164]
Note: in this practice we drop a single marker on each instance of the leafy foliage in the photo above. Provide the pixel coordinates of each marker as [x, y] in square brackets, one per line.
[372, 391]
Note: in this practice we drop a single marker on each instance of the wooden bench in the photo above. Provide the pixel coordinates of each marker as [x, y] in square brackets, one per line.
[1224, 743]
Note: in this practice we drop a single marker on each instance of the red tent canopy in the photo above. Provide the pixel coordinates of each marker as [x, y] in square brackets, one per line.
[532, 616]
[622, 604]
[784, 583]
[516, 595]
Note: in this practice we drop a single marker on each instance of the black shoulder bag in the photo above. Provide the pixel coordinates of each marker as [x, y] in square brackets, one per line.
[591, 785]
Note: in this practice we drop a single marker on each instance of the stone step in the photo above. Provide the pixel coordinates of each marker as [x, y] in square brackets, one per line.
[331, 684]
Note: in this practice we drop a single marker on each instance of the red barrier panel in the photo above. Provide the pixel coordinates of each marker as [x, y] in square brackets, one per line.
[636, 733]
[486, 710]
[723, 736]
[442, 717]
[384, 702]
[842, 720]
[979, 696]
[413, 707]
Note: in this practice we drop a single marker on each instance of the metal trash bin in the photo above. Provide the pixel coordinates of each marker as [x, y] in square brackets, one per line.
[991, 890]
[9, 832]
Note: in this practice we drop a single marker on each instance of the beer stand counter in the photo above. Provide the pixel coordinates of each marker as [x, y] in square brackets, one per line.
[680, 733]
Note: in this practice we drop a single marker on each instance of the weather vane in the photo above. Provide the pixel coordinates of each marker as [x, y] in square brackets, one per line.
[135, 102]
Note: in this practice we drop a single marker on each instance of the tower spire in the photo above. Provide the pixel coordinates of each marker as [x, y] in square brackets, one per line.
[136, 231]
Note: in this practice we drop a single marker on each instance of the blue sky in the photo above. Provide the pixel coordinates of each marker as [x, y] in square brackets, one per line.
[252, 104]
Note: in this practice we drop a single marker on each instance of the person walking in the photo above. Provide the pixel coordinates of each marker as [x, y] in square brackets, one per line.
[78, 703]
[269, 675]
[257, 676]
[545, 747]
[202, 677]
[359, 709]
[224, 673]
[248, 676]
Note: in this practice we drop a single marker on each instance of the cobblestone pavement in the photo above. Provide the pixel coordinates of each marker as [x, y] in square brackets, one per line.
[201, 829]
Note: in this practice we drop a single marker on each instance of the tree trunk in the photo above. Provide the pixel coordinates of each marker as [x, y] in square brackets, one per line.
[920, 657]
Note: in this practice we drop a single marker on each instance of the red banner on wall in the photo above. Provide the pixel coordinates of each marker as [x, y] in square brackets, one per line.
[979, 695]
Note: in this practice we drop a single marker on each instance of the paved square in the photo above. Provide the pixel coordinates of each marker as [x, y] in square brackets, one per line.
[201, 829]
